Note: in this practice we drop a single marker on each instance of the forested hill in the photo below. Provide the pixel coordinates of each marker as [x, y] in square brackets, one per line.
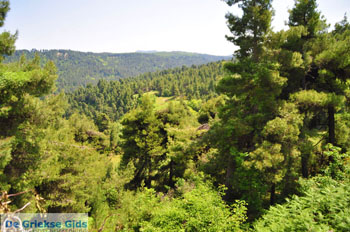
[115, 98]
[77, 69]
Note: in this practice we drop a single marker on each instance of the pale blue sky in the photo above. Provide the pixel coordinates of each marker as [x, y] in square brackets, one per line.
[130, 25]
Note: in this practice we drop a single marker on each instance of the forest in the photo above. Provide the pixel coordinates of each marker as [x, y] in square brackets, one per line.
[260, 142]
[115, 98]
[76, 69]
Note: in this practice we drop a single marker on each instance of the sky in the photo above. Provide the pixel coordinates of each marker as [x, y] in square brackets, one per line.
[120, 26]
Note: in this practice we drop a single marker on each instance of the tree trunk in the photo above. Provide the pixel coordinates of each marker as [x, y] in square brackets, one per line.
[228, 179]
[304, 157]
[273, 194]
[304, 165]
[331, 125]
[171, 174]
[148, 179]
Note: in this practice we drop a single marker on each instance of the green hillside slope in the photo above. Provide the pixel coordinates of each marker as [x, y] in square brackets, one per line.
[115, 98]
[77, 69]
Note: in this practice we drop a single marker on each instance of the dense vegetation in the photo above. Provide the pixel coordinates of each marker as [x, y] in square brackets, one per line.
[77, 69]
[115, 98]
[260, 143]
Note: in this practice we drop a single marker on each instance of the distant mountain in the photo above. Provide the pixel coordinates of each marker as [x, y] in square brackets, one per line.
[80, 68]
[146, 51]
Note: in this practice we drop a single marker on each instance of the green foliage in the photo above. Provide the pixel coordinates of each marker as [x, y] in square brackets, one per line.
[305, 13]
[252, 90]
[77, 69]
[342, 130]
[156, 142]
[323, 206]
[313, 100]
[17, 86]
[249, 31]
[210, 109]
[283, 95]
[196, 207]
[7, 40]
[5, 158]
[115, 98]
[46, 158]
[143, 141]
[39, 150]
[342, 26]
[283, 103]
[338, 168]
[200, 209]
[4, 8]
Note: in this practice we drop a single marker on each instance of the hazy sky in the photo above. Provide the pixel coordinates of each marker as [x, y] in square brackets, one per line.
[130, 25]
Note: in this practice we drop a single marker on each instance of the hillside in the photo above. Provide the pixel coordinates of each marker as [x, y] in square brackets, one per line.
[77, 69]
[259, 143]
[115, 98]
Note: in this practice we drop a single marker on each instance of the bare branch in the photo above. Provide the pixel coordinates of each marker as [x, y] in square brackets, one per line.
[18, 210]
[20, 193]
[104, 222]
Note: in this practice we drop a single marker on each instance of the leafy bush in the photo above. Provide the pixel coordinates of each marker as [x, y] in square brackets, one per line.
[324, 206]
[192, 207]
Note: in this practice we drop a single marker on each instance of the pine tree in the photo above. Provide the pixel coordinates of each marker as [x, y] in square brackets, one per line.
[253, 85]
[143, 142]
[250, 30]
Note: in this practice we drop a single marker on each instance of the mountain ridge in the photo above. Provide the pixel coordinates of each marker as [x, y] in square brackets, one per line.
[76, 68]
